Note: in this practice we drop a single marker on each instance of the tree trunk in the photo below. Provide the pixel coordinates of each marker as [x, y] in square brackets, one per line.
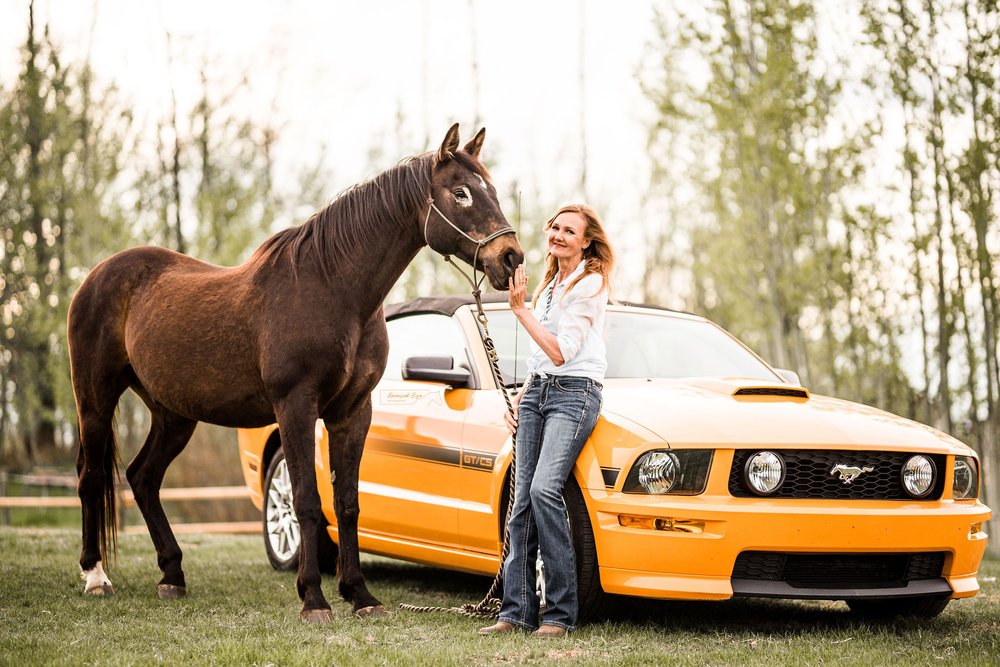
[944, 325]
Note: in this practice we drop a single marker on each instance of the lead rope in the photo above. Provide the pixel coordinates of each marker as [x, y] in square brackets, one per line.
[489, 606]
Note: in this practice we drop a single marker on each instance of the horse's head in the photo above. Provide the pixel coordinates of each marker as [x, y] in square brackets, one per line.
[464, 210]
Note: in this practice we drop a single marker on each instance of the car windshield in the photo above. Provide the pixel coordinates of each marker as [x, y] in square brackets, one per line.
[642, 345]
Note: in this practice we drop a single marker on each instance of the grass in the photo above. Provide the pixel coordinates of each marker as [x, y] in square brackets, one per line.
[240, 611]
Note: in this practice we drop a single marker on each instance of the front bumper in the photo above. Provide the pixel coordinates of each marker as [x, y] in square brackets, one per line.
[695, 560]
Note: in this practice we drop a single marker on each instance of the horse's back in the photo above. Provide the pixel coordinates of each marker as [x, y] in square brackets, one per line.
[125, 271]
[115, 290]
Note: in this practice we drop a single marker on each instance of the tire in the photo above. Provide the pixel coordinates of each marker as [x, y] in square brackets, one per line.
[925, 607]
[282, 537]
[591, 597]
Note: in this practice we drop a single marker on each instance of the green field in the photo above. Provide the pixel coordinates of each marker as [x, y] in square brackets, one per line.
[240, 611]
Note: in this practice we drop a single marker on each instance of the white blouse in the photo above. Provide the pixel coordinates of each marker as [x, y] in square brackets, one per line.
[576, 318]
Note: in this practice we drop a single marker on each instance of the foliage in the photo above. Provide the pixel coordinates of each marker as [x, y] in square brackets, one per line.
[241, 611]
[62, 139]
[79, 181]
[836, 207]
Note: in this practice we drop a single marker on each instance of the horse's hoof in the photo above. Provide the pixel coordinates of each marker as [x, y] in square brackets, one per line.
[100, 590]
[170, 592]
[316, 615]
[375, 611]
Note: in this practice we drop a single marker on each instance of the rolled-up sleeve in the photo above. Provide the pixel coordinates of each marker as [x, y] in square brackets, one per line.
[581, 306]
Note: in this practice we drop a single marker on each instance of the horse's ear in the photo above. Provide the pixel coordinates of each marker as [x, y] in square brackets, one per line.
[449, 145]
[474, 146]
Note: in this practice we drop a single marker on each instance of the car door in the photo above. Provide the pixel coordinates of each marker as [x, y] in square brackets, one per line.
[409, 485]
[486, 439]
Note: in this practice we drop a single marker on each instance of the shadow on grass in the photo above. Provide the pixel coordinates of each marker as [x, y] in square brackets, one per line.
[423, 579]
[757, 616]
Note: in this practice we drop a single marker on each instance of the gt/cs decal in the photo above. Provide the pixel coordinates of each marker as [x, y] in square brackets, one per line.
[478, 460]
[470, 459]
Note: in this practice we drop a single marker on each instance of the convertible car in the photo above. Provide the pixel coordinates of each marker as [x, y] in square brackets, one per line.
[709, 474]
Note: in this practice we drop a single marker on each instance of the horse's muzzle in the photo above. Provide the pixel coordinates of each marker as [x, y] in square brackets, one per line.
[499, 265]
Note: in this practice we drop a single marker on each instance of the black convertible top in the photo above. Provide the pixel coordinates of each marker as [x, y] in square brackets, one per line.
[441, 305]
[447, 305]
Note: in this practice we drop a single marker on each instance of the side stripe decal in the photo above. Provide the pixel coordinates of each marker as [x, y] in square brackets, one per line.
[470, 459]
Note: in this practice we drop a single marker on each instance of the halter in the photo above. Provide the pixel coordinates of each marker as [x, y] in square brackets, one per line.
[479, 246]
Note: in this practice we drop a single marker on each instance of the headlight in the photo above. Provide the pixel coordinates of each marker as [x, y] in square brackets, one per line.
[678, 472]
[918, 475]
[965, 482]
[658, 472]
[764, 472]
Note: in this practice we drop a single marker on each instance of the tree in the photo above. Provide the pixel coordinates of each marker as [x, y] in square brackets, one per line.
[61, 151]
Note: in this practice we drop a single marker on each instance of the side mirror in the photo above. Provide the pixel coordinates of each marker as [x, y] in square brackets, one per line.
[436, 369]
[791, 377]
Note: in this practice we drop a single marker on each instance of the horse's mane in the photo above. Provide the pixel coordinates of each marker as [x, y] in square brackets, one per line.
[361, 215]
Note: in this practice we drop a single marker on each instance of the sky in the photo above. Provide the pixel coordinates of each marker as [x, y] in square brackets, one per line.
[334, 77]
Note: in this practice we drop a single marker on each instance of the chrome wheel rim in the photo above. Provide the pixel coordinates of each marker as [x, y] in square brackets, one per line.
[282, 525]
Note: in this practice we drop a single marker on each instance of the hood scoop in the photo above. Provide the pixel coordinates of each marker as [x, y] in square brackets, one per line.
[796, 394]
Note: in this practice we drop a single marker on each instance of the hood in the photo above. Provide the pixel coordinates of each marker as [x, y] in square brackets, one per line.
[740, 413]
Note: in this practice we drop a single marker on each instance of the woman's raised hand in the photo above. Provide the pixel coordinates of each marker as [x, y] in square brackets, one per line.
[518, 286]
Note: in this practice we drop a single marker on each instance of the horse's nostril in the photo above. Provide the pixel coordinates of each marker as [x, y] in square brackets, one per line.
[511, 260]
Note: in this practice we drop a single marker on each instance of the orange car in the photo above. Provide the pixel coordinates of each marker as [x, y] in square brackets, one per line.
[709, 475]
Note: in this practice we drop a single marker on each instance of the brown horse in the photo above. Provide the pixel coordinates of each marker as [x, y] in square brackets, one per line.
[293, 335]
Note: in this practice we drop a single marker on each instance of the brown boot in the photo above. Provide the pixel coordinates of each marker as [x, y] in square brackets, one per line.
[549, 631]
[498, 628]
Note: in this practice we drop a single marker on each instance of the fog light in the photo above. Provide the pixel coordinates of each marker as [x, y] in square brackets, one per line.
[764, 472]
[659, 523]
[630, 521]
[918, 475]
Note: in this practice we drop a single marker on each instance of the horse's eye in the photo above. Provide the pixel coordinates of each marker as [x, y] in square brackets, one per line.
[462, 195]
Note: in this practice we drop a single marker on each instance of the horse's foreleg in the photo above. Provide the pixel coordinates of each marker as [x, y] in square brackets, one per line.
[297, 426]
[168, 435]
[347, 440]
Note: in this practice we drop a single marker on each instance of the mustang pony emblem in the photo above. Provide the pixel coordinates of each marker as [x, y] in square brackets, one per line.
[849, 473]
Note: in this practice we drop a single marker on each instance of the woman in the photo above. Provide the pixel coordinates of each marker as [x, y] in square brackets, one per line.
[554, 413]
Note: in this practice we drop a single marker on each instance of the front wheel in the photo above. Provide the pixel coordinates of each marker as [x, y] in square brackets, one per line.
[925, 607]
[591, 597]
[282, 536]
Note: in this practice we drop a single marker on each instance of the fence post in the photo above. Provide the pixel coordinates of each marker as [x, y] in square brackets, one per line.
[120, 514]
[3, 492]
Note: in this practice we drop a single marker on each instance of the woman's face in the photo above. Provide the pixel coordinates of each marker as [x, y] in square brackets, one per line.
[566, 236]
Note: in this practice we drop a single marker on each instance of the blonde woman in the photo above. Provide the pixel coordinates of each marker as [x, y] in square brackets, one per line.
[555, 412]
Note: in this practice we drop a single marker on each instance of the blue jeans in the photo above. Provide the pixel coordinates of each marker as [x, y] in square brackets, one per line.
[555, 417]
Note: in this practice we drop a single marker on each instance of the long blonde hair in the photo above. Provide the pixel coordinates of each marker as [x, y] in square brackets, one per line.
[598, 257]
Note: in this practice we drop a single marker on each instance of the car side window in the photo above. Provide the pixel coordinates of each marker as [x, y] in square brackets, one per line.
[423, 335]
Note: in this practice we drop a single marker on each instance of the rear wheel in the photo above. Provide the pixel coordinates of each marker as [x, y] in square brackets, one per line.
[926, 607]
[282, 536]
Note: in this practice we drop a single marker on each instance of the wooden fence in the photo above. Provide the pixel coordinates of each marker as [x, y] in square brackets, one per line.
[45, 481]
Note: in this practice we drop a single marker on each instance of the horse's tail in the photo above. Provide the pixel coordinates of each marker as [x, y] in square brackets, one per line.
[101, 505]
[107, 522]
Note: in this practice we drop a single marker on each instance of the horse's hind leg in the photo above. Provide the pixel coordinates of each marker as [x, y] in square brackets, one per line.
[96, 390]
[168, 436]
[95, 467]
[347, 440]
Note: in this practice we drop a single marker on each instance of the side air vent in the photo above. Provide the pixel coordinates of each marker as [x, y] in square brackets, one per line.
[779, 392]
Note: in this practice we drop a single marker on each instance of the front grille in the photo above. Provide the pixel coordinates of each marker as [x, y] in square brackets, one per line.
[839, 570]
[808, 475]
